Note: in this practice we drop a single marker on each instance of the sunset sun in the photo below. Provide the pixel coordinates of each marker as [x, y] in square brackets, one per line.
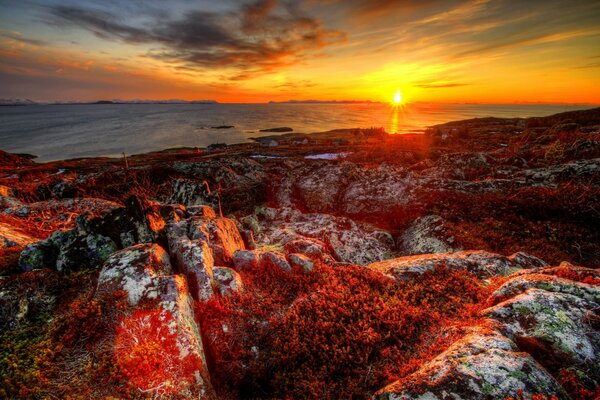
[397, 98]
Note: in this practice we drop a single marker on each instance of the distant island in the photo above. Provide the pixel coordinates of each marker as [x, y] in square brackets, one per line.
[26, 102]
[325, 102]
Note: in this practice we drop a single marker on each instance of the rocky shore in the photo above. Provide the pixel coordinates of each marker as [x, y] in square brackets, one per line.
[458, 263]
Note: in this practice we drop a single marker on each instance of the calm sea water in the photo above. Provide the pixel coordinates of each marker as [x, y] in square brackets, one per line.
[69, 131]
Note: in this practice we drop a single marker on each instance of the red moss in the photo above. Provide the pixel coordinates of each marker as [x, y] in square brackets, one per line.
[332, 333]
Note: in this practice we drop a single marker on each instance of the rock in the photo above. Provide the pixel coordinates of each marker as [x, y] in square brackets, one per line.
[481, 263]
[482, 365]
[244, 260]
[133, 270]
[523, 282]
[426, 235]
[194, 258]
[38, 255]
[312, 247]
[159, 319]
[227, 280]
[276, 259]
[202, 211]
[12, 237]
[222, 236]
[84, 252]
[527, 261]
[301, 261]
[551, 325]
[462, 166]
[347, 240]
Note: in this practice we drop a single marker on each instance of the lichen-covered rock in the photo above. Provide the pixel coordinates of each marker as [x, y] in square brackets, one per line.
[527, 261]
[482, 365]
[227, 280]
[158, 327]
[311, 247]
[301, 261]
[194, 258]
[347, 240]
[481, 263]
[84, 252]
[426, 235]
[133, 270]
[245, 259]
[523, 282]
[552, 325]
[276, 259]
[221, 234]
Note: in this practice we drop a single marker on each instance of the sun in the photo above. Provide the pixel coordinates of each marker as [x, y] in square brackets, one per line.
[397, 98]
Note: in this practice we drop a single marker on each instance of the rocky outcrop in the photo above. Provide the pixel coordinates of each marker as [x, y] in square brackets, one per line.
[95, 238]
[221, 234]
[480, 263]
[482, 365]
[158, 323]
[339, 237]
[426, 235]
[227, 280]
[538, 325]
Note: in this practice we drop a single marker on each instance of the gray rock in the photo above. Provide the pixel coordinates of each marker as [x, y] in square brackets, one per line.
[481, 263]
[271, 258]
[227, 280]
[426, 235]
[244, 260]
[482, 365]
[553, 325]
[301, 261]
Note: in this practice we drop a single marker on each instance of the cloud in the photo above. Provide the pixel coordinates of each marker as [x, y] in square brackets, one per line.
[254, 39]
[19, 38]
[439, 85]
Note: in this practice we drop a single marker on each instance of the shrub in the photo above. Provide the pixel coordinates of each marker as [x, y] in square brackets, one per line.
[334, 332]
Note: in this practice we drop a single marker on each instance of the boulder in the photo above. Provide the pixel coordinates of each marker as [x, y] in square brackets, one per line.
[523, 282]
[345, 239]
[221, 234]
[275, 259]
[481, 263]
[244, 260]
[227, 280]
[551, 325]
[133, 270]
[194, 258]
[157, 329]
[482, 365]
[426, 235]
[301, 261]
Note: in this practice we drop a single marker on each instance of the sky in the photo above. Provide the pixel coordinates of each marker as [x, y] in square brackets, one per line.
[482, 51]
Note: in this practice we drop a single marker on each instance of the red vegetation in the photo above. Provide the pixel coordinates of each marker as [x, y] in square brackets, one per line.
[334, 332]
[147, 352]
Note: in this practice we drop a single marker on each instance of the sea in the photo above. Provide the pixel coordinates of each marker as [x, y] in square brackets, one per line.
[57, 132]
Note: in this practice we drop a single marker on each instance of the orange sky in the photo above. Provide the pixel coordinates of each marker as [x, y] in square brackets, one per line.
[257, 51]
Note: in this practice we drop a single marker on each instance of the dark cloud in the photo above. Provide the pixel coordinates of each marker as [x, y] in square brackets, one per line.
[256, 38]
[19, 38]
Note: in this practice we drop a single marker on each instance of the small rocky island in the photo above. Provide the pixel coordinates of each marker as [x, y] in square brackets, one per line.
[455, 264]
